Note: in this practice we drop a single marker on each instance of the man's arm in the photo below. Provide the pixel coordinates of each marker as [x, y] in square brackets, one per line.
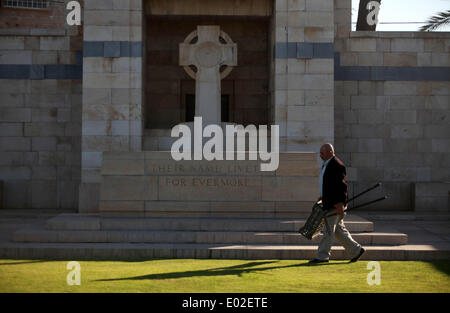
[341, 189]
[339, 208]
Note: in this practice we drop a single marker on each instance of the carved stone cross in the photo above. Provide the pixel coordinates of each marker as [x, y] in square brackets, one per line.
[208, 54]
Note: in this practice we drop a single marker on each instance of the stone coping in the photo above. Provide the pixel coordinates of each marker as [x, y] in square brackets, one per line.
[386, 34]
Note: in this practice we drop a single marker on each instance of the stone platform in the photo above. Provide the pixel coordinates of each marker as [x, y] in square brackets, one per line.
[152, 184]
[386, 236]
[96, 236]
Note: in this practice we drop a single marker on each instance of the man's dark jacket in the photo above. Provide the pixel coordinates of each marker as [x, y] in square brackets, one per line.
[334, 184]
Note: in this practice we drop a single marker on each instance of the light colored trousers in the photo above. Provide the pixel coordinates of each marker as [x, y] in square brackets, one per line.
[341, 234]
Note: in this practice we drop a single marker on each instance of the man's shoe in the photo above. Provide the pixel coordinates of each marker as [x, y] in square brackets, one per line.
[356, 258]
[316, 261]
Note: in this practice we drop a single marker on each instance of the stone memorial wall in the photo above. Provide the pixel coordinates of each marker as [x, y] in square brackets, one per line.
[153, 184]
[69, 94]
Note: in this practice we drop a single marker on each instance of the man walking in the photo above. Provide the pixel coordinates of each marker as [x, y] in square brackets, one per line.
[333, 193]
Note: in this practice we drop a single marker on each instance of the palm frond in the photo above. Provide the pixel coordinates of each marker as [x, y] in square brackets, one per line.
[439, 20]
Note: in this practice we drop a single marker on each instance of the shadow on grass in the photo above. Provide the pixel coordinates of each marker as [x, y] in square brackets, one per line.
[237, 270]
[443, 266]
[25, 262]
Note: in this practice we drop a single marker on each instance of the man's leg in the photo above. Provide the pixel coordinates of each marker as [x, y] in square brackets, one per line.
[345, 239]
[324, 250]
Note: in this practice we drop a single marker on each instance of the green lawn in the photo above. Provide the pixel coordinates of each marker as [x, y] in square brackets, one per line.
[228, 276]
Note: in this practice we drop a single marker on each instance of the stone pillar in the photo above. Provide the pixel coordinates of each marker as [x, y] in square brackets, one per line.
[304, 73]
[112, 118]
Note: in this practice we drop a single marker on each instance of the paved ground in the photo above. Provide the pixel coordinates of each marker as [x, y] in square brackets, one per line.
[421, 228]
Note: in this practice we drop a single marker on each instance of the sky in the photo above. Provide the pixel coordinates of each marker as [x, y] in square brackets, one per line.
[404, 11]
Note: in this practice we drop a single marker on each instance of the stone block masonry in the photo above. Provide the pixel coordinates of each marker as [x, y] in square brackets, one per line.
[40, 142]
[40, 109]
[303, 80]
[432, 196]
[112, 88]
[392, 99]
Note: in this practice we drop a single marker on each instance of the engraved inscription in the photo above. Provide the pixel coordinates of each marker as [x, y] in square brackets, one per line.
[204, 169]
[207, 182]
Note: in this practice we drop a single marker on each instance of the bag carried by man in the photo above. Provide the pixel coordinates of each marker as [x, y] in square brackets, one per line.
[316, 220]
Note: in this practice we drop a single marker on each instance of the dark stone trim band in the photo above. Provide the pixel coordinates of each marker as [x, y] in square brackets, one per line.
[49, 71]
[112, 49]
[44, 71]
[304, 50]
[341, 73]
[389, 73]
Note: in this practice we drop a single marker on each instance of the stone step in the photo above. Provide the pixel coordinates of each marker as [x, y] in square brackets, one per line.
[209, 214]
[80, 251]
[405, 216]
[133, 236]
[27, 214]
[93, 222]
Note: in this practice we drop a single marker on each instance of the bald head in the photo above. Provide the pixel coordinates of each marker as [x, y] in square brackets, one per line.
[326, 151]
